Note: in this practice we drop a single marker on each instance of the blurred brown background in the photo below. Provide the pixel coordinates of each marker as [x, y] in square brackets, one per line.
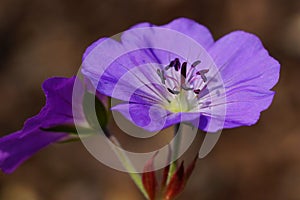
[39, 39]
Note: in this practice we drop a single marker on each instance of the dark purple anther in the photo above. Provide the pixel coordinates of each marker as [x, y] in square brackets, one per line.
[197, 91]
[183, 69]
[195, 63]
[177, 64]
[172, 91]
[202, 74]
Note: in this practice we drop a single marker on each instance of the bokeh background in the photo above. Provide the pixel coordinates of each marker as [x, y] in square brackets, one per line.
[40, 39]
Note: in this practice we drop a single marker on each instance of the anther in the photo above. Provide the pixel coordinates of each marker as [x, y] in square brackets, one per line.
[177, 64]
[170, 65]
[183, 69]
[197, 91]
[195, 63]
[173, 91]
[202, 74]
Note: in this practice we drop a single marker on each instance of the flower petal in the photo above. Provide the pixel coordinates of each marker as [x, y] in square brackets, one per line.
[125, 75]
[91, 47]
[243, 107]
[242, 60]
[107, 60]
[58, 108]
[248, 74]
[19, 146]
[154, 118]
[185, 26]
[182, 38]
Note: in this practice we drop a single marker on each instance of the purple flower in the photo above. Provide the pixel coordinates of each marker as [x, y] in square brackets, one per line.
[177, 73]
[19, 146]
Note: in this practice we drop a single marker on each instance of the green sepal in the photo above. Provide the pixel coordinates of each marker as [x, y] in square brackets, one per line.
[62, 128]
[101, 117]
[71, 129]
[70, 140]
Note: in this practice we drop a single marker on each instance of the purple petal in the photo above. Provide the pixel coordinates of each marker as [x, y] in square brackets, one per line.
[91, 47]
[58, 108]
[242, 60]
[153, 118]
[19, 146]
[107, 60]
[192, 29]
[124, 75]
[244, 107]
[248, 73]
[188, 27]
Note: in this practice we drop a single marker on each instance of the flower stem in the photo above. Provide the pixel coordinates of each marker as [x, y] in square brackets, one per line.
[174, 153]
[128, 166]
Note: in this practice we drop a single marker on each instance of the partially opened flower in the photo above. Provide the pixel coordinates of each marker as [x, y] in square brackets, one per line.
[177, 73]
[52, 124]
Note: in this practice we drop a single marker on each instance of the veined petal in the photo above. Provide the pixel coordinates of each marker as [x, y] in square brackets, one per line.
[144, 45]
[97, 58]
[243, 108]
[153, 118]
[150, 117]
[248, 74]
[242, 60]
[129, 72]
[243, 75]
[185, 26]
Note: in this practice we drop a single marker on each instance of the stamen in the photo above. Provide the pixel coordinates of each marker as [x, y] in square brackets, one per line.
[202, 91]
[190, 74]
[195, 63]
[183, 83]
[202, 74]
[170, 65]
[161, 74]
[183, 69]
[197, 91]
[173, 79]
[192, 69]
[177, 64]
[183, 86]
[173, 91]
[204, 71]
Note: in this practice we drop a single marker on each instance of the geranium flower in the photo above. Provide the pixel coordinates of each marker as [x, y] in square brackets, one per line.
[177, 73]
[15, 148]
